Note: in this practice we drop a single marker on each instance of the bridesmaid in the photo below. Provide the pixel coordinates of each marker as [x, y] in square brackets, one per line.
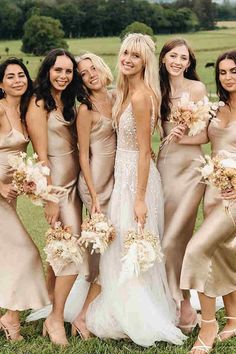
[51, 125]
[20, 263]
[209, 263]
[97, 146]
[177, 165]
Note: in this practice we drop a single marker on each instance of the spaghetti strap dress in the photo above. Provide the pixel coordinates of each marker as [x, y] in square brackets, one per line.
[182, 195]
[209, 264]
[22, 279]
[64, 165]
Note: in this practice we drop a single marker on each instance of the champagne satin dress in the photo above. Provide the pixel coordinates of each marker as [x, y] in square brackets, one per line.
[209, 264]
[21, 273]
[64, 164]
[102, 161]
[182, 196]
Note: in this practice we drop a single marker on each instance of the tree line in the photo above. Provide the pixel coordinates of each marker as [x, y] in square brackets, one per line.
[90, 18]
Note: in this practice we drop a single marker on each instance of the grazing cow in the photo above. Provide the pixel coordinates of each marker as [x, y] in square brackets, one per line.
[210, 64]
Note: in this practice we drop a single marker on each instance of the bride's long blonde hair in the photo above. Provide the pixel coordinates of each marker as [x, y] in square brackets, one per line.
[145, 47]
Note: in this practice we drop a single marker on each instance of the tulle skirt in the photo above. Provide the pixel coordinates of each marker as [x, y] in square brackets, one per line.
[140, 308]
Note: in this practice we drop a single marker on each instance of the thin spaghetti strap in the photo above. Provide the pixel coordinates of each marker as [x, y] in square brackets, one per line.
[96, 108]
[4, 108]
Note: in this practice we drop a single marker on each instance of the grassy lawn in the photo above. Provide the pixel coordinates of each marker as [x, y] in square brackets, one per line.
[207, 45]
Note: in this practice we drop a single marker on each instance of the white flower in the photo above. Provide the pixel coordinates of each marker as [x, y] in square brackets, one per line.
[35, 156]
[23, 155]
[228, 163]
[197, 127]
[207, 170]
[41, 186]
[45, 170]
[102, 226]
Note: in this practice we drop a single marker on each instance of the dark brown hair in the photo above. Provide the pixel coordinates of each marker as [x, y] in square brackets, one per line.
[164, 75]
[42, 85]
[24, 102]
[221, 92]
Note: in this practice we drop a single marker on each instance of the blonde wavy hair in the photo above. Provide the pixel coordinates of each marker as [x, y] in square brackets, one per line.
[103, 69]
[145, 47]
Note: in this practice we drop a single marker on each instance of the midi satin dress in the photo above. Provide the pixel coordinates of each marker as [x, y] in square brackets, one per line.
[182, 195]
[209, 264]
[22, 282]
[64, 165]
[102, 149]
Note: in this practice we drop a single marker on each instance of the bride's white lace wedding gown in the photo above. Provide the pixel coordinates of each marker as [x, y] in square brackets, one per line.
[141, 308]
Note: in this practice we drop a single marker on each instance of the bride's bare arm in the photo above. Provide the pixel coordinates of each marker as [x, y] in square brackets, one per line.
[141, 105]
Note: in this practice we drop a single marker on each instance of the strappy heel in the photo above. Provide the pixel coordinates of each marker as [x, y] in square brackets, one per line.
[188, 328]
[203, 347]
[11, 331]
[75, 330]
[229, 331]
[57, 337]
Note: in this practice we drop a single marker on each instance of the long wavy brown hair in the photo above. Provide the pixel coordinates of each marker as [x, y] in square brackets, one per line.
[164, 75]
[221, 92]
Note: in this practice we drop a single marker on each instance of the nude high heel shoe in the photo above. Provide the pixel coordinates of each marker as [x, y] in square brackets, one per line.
[12, 332]
[232, 332]
[57, 336]
[85, 335]
[188, 328]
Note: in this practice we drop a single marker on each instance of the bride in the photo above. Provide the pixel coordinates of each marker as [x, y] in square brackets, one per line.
[140, 308]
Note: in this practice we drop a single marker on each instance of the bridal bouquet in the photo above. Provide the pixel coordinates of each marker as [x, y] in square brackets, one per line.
[62, 247]
[220, 172]
[141, 250]
[97, 232]
[30, 179]
[194, 116]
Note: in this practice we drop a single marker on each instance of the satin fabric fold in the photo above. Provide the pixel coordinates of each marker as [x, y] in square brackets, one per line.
[182, 195]
[21, 268]
[64, 164]
[209, 264]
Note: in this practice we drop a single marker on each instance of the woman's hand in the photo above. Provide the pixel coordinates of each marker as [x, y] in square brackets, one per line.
[140, 212]
[230, 194]
[52, 212]
[7, 191]
[95, 206]
[178, 132]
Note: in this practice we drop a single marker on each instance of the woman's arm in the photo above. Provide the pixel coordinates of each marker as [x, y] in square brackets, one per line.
[141, 106]
[201, 138]
[36, 119]
[84, 124]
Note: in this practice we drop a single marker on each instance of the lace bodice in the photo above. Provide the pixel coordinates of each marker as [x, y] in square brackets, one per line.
[127, 132]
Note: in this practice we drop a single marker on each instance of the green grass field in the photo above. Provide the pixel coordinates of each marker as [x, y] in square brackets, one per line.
[207, 45]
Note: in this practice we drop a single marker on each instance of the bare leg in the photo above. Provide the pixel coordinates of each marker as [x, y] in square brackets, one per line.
[230, 309]
[54, 324]
[80, 321]
[10, 323]
[208, 331]
[51, 279]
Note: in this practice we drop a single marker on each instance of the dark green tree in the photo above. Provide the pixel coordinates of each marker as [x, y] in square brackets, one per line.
[138, 27]
[41, 34]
